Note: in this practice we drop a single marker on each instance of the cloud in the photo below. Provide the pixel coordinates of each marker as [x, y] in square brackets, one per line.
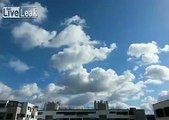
[104, 83]
[18, 66]
[165, 48]
[30, 36]
[72, 34]
[52, 88]
[119, 105]
[29, 89]
[155, 82]
[77, 55]
[156, 74]
[74, 20]
[147, 52]
[41, 11]
[5, 91]
[147, 104]
[81, 99]
[163, 95]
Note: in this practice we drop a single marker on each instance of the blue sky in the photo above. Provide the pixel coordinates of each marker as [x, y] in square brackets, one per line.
[85, 51]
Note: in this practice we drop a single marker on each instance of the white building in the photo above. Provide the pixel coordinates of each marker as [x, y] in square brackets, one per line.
[28, 112]
[161, 110]
[14, 110]
[99, 112]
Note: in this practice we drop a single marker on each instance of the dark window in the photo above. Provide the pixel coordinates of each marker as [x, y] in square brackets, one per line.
[82, 113]
[159, 113]
[9, 116]
[22, 115]
[40, 113]
[122, 113]
[66, 113]
[111, 112]
[131, 112]
[2, 115]
[2, 105]
[166, 109]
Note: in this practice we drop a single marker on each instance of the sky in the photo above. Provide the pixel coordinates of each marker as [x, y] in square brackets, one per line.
[80, 51]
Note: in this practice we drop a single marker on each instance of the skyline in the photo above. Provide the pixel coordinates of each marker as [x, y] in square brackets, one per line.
[82, 51]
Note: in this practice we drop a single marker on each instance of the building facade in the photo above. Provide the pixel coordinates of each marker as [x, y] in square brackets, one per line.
[100, 111]
[161, 110]
[14, 110]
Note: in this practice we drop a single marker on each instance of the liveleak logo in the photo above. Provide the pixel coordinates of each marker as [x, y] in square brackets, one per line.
[19, 12]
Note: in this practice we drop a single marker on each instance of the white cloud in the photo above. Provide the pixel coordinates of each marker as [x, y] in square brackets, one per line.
[41, 11]
[147, 104]
[52, 88]
[98, 81]
[72, 34]
[152, 81]
[5, 91]
[29, 89]
[157, 73]
[29, 35]
[119, 105]
[163, 95]
[18, 66]
[135, 68]
[148, 52]
[74, 20]
[78, 55]
[165, 48]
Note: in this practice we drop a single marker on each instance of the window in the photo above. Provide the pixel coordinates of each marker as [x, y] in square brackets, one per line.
[159, 113]
[131, 112]
[2, 105]
[9, 116]
[166, 110]
[122, 113]
[40, 113]
[2, 115]
[22, 115]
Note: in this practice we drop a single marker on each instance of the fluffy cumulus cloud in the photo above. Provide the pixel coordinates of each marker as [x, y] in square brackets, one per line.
[41, 11]
[152, 81]
[5, 91]
[119, 105]
[147, 104]
[18, 66]
[81, 99]
[78, 55]
[165, 48]
[30, 36]
[163, 95]
[103, 83]
[29, 89]
[156, 74]
[75, 20]
[147, 52]
[72, 34]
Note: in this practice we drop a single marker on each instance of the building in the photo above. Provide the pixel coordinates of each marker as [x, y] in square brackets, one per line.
[14, 110]
[161, 110]
[100, 111]
[150, 117]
